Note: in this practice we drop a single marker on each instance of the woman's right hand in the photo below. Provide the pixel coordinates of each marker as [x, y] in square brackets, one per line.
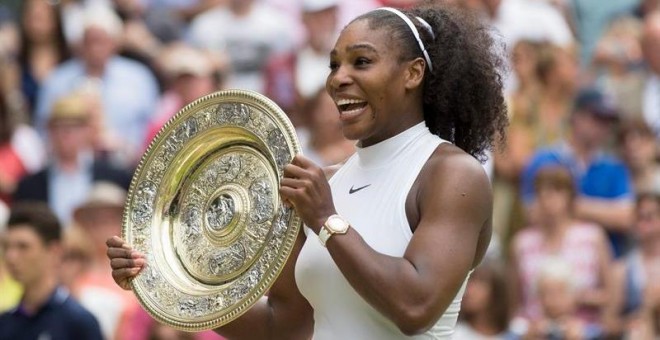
[126, 263]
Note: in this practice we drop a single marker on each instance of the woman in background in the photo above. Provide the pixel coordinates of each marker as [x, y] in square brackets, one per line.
[42, 46]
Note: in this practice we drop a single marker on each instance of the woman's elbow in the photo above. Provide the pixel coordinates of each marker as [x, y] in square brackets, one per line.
[415, 321]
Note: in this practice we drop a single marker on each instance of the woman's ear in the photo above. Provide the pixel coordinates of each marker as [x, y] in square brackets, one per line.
[415, 73]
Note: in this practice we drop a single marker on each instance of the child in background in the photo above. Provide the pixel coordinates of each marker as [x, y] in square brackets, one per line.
[557, 293]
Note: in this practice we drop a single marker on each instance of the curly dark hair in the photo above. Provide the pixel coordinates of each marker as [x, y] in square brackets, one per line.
[463, 96]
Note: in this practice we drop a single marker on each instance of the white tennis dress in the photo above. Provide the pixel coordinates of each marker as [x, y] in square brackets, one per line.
[369, 191]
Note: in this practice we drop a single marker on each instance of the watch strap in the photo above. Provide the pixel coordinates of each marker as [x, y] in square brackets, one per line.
[324, 235]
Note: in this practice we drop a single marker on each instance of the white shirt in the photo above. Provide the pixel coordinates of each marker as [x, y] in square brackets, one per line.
[370, 192]
[249, 40]
[651, 103]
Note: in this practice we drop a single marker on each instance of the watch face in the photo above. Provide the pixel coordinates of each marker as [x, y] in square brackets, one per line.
[336, 223]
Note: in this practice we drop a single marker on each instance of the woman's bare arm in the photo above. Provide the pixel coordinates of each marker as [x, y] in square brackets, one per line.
[283, 314]
[413, 291]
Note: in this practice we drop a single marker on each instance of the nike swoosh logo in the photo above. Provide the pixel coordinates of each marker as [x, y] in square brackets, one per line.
[352, 191]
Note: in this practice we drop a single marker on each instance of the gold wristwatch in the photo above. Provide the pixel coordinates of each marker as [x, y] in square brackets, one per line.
[335, 224]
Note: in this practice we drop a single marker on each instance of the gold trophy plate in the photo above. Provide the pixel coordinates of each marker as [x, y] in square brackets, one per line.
[204, 208]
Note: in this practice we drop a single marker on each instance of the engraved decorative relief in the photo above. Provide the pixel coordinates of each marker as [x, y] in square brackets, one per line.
[226, 261]
[229, 167]
[143, 207]
[279, 146]
[233, 113]
[204, 208]
[261, 195]
[220, 212]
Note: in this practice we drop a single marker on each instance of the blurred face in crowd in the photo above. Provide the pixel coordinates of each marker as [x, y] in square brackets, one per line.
[651, 42]
[27, 256]
[69, 137]
[557, 297]
[100, 222]
[553, 201]
[591, 130]
[478, 294]
[639, 150]
[98, 47]
[321, 27]
[190, 87]
[323, 116]
[39, 20]
[647, 221]
[524, 61]
[566, 69]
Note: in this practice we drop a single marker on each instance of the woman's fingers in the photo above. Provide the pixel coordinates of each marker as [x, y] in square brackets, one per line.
[293, 182]
[122, 276]
[125, 262]
[121, 263]
[115, 242]
[294, 171]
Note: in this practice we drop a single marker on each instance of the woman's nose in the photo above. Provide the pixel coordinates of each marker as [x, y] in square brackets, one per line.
[339, 78]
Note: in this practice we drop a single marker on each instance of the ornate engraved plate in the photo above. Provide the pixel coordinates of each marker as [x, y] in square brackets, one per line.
[203, 206]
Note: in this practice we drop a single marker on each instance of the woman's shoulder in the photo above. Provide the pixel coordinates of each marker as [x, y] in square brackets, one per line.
[452, 161]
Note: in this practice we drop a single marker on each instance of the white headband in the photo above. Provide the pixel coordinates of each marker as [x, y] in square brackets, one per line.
[414, 31]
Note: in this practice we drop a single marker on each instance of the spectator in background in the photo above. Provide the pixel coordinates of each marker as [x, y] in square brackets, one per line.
[646, 7]
[557, 233]
[21, 149]
[11, 290]
[294, 79]
[9, 36]
[43, 47]
[126, 91]
[590, 19]
[249, 32]
[618, 61]
[556, 287]
[100, 217]
[639, 150]
[189, 74]
[485, 311]
[515, 20]
[539, 112]
[182, 10]
[33, 253]
[67, 179]
[603, 182]
[636, 277]
[651, 49]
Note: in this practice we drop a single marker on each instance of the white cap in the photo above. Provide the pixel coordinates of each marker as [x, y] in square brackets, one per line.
[318, 5]
[182, 59]
[103, 17]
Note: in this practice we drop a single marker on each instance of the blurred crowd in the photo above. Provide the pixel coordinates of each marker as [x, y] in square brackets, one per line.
[86, 85]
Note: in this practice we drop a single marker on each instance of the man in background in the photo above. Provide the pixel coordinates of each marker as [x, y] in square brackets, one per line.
[33, 253]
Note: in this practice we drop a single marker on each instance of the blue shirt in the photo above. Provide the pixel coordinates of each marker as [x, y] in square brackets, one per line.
[60, 318]
[129, 93]
[604, 177]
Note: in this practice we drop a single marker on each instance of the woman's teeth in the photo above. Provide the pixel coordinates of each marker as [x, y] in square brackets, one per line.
[351, 105]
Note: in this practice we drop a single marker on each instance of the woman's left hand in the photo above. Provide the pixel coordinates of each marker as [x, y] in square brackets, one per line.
[305, 187]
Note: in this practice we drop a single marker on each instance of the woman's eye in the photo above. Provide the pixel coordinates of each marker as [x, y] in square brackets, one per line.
[333, 65]
[362, 62]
